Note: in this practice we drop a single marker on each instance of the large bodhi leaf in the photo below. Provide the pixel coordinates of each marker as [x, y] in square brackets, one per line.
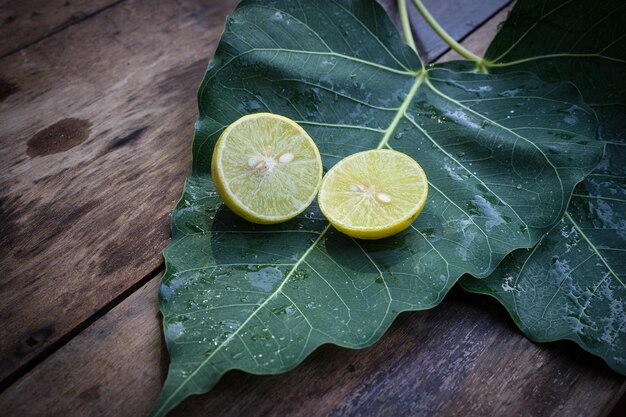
[571, 285]
[260, 298]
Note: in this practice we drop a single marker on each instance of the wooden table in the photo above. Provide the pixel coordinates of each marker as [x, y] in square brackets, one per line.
[97, 106]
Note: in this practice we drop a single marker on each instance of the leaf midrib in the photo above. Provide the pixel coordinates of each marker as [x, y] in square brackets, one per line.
[530, 29]
[593, 248]
[305, 24]
[383, 142]
[517, 135]
[497, 62]
[549, 56]
[420, 78]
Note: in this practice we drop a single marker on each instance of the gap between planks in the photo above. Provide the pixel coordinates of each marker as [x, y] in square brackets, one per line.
[78, 329]
[483, 32]
[478, 39]
[83, 225]
[62, 74]
[60, 28]
[154, 274]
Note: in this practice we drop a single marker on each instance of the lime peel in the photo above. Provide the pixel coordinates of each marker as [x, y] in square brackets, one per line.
[266, 168]
[373, 194]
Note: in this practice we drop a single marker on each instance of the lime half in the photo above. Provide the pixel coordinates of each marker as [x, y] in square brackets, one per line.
[373, 194]
[266, 168]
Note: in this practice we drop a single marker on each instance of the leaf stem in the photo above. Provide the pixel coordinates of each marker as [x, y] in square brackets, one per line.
[406, 24]
[460, 49]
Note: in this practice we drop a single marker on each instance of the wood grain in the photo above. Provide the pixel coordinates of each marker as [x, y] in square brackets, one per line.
[24, 22]
[95, 145]
[458, 18]
[120, 89]
[478, 41]
[465, 357]
[95, 130]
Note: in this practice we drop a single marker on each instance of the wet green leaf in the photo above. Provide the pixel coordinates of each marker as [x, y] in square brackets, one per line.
[501, 154]
[571, 285]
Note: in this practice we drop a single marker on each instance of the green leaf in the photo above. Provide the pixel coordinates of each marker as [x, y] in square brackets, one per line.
[261, 298]
[571, 285]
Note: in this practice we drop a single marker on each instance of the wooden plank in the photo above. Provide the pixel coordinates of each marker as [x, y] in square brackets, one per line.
[95, 130]
[101, 374]
[465, 357]
[95, 140]
[24, 22]
[479, 40]
[458, 18]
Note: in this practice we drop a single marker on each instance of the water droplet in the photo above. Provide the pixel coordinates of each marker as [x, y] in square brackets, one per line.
[265, 278]
[299, 275]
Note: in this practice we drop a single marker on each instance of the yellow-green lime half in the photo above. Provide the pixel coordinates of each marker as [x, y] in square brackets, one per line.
[266, 168]
[373, 194]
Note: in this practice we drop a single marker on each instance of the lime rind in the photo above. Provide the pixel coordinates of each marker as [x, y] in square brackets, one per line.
[373, 194]
[266, 168]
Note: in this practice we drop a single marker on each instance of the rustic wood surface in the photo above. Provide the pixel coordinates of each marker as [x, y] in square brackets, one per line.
[457, 359]
[459, 18]
[25, 22]
[86, 215]
[95, 128]
[478, 41]
[84, 219]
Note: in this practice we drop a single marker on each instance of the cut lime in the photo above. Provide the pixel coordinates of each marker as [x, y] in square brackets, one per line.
[373, 194]
[266, 168]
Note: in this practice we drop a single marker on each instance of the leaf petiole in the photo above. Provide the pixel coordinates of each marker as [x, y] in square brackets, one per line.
[406, 24]
[460, 49]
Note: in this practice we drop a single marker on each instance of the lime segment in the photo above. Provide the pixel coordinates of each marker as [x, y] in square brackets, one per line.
[266, 168]
[373, 194]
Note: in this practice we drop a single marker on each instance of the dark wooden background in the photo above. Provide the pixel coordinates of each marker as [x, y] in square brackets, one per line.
[97, 106]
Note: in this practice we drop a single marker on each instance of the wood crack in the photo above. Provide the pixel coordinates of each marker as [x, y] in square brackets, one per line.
[74, 19]
[68, 336]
